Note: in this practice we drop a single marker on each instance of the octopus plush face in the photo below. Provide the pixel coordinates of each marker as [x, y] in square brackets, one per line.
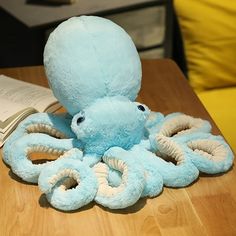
[114, 121]
[110, 148]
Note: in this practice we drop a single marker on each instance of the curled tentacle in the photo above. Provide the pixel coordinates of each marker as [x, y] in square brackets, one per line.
[153, 179]
[57, 126]
[21, 164]
[132, 183]
[180, 174]
[68, 183]
[178, 124]
[209, 153]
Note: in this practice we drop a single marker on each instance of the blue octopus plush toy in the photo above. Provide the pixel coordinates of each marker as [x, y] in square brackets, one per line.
[110, 148]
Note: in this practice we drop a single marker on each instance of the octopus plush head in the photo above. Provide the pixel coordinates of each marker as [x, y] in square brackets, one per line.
[90, 57]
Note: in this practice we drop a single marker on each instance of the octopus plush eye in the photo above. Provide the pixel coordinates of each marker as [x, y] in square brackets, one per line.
[141, 108]
[80, 120]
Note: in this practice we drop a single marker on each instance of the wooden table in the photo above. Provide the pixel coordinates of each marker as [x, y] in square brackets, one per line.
[207, 207]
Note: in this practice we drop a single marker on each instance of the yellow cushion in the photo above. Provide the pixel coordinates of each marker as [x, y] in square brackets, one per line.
[209, 34]
[221, 104]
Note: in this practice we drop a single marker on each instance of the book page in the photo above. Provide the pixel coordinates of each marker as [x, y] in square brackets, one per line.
[16, 95]
[9, 122]
[9, 108]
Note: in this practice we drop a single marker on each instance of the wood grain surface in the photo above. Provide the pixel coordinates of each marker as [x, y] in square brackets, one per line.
[207, 207]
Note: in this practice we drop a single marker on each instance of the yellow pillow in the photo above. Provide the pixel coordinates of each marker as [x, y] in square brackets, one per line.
[220, 104]
[209, 34]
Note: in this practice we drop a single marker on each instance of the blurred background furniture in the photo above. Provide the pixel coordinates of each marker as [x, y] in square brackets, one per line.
[208, 29]
[26, 24]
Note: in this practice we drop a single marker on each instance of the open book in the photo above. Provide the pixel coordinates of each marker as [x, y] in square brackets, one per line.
[20, 99]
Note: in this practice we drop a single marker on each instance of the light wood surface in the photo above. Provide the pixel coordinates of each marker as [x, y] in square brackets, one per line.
[207, 207]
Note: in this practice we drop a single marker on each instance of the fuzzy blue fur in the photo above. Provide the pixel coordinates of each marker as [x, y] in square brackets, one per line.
[204, 128]
[204, 164]
[23, 166]
[153, 179]
[59, 122]
[108, 122]
[70, 199]
[135, 181]
[96, 57]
